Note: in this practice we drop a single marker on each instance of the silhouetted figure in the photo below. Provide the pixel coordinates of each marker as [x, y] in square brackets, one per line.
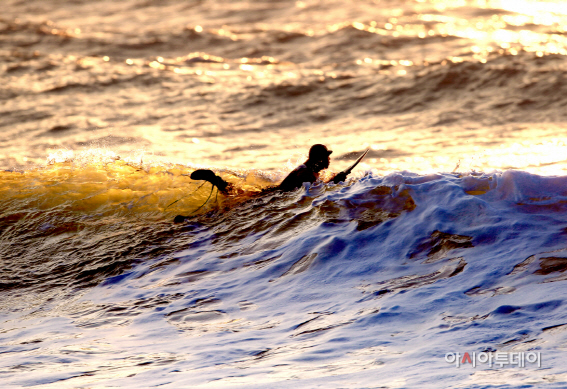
[319, 159]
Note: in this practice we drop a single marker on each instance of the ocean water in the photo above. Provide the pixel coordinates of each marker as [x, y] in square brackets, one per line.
[449, 238]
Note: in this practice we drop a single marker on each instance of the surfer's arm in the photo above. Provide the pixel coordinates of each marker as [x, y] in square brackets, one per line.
[339, 177]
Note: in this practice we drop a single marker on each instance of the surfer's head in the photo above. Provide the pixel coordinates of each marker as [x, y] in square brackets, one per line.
[319, 157]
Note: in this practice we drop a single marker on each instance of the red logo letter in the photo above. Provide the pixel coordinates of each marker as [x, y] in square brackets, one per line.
[466, 357]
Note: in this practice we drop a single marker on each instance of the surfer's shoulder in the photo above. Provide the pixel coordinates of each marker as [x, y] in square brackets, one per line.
[300, 168]
[297, 177]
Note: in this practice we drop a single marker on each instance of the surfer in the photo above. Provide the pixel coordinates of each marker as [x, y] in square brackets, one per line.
[319, 159]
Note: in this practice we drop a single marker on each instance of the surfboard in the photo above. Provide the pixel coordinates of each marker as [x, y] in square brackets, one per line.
[347, 171]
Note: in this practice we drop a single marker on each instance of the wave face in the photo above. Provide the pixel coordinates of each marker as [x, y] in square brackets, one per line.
[372, 281]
